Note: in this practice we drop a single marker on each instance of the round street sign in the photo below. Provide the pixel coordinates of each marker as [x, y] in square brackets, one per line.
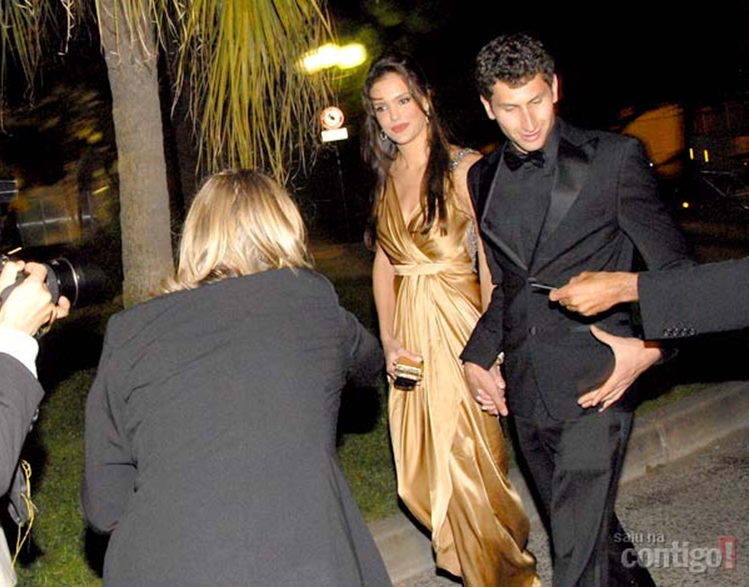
[332, 118]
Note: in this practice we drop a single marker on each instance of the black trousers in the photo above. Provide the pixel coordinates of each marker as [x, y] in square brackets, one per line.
[575, 466]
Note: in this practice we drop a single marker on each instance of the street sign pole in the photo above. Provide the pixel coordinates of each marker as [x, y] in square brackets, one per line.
[332, 122]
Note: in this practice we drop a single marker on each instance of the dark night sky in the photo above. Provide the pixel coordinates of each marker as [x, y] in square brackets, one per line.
[609, 55]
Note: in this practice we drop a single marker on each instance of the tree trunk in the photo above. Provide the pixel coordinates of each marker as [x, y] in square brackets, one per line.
[144, 197]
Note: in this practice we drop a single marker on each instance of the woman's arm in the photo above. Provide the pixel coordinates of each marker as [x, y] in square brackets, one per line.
[460, 182]
[383, 287]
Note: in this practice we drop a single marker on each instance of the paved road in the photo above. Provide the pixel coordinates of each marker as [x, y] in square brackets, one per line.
[676, 516]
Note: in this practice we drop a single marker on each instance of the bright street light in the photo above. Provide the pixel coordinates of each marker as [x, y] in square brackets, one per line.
[331, 55]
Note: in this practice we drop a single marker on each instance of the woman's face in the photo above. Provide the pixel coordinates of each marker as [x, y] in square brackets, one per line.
[397, 110]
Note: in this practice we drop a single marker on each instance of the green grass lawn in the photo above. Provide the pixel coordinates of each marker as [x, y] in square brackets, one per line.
[61, 552]
[57, 554]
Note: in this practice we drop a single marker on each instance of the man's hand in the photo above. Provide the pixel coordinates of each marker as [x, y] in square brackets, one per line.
[11, 269]
[632, 357]
[29, 307]
[487, 387]
[592, 293]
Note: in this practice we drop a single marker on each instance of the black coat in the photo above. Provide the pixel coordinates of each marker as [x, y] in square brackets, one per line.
[20, 394]
[696, 300]
[210, 438]
[607, 205]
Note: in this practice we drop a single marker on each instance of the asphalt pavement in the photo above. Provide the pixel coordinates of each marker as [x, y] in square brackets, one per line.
[689, 520]
[683, 499]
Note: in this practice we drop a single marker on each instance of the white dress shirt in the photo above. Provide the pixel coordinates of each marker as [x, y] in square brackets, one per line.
[20, 346]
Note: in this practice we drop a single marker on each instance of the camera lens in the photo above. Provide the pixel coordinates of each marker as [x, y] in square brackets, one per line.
[62, 280]
[82, 283]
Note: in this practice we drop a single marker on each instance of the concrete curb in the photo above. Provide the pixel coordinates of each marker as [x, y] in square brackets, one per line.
[658, 437]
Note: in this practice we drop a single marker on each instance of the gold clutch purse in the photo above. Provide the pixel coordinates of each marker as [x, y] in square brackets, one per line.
[408, 373]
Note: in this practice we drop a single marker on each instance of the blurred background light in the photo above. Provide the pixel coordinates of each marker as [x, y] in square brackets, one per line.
[331, 55]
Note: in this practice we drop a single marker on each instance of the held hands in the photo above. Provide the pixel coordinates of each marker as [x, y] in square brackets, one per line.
[29, 307]
[591, 293]
[393, 351]
[487, 387]
[632, 357]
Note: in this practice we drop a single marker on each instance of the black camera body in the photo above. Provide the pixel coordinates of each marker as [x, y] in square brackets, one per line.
[81, 283]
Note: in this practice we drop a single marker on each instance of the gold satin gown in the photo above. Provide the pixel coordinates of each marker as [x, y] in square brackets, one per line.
[450, 456]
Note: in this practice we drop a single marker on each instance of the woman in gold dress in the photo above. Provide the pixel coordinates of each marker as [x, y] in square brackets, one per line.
[450, 456]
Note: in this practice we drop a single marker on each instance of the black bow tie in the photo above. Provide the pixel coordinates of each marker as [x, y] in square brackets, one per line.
[515, 160]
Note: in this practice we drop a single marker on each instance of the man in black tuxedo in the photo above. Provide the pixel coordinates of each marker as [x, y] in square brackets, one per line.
[673, 304]
[553, 201]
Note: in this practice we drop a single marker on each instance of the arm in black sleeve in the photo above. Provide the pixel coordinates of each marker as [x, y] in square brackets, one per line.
[109, 470]
[20, 394]
[695, 300]
[644, 216]
[485, 342]
[364, 352]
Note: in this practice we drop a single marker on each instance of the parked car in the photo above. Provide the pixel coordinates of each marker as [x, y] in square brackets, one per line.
[712, 195]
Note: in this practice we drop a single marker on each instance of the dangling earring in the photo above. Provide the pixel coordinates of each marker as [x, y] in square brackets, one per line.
[428, 114]
[383, 136]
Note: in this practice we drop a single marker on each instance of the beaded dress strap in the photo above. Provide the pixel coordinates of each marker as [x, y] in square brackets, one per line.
[459, 156]
[472, 237]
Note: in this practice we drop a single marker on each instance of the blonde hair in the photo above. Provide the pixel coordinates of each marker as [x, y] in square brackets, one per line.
[240, 223]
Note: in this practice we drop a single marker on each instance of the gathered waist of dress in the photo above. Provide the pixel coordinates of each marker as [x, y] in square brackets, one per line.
[433, 268]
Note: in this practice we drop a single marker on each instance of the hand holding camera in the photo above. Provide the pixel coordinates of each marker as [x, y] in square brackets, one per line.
[29, 307]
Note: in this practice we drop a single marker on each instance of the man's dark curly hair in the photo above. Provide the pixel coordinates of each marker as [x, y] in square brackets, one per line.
[514, 59]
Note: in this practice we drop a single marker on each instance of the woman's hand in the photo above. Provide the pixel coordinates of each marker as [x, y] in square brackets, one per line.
[393, 350]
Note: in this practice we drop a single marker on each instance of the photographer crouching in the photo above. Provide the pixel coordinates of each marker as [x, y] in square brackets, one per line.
[26, 311]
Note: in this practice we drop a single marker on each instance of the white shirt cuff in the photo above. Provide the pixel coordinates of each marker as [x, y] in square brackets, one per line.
[20, 346]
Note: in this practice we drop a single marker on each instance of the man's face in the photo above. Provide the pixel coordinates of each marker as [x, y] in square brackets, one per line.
[525, 114]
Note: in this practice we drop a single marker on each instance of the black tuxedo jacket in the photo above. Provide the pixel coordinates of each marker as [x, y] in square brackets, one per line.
[604, 205]
[696, 300]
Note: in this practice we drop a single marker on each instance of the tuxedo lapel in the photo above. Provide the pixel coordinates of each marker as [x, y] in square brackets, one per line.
[573, 165]
[486, 199]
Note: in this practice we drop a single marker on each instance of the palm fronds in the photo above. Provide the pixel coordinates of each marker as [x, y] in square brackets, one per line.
[237, 64]
[253, 104]
[21, 24]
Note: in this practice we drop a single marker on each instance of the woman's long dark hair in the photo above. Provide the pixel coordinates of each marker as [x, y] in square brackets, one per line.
[379, 154]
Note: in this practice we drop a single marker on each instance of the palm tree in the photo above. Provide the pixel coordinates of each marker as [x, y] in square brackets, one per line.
[236, 62]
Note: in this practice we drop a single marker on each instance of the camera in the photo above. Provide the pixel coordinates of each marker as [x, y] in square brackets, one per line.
[81, 282]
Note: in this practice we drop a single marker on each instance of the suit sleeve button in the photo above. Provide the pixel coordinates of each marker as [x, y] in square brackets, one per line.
[533, 330]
